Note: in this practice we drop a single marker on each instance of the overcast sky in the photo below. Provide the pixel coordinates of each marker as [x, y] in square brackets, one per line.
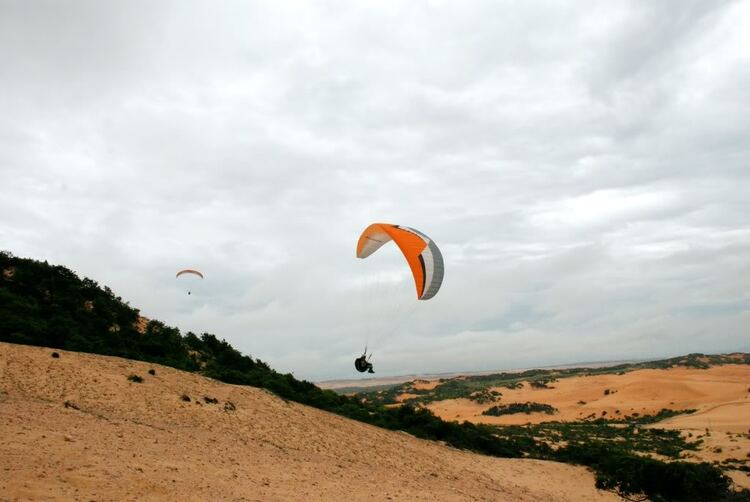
[583, 166]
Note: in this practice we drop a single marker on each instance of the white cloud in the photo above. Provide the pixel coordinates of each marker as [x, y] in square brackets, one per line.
[583, 168]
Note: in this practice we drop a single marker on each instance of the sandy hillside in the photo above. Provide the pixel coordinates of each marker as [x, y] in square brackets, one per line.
[720, 394]
[725, 431]
[119, 440]
[643, 392]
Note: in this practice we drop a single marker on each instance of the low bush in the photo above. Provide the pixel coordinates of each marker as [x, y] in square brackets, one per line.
[629, 475]
[512, 408]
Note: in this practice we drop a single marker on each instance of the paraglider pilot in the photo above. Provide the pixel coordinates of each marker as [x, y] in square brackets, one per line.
[362, 364]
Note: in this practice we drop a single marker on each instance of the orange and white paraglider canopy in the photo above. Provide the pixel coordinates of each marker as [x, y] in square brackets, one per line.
[189, 271]
[421, 253]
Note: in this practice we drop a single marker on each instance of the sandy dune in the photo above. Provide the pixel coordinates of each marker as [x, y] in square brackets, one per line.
[643, 391]
[720, 394]
[128, 441]
[725, 431]
[425, 384]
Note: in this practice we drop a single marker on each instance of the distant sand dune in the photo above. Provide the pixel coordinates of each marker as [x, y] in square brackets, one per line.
[642, 391]
[720, 394]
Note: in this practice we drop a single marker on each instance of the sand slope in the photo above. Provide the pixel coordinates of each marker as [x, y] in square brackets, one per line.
[642, 391]
[720, 394]
[131, 441]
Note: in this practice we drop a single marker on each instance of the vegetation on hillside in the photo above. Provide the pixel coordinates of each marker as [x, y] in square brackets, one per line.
[485, 396]
[513, 408]
[631, 439]
[47, 305]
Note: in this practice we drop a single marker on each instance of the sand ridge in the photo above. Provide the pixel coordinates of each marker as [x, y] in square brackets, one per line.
[120, 440]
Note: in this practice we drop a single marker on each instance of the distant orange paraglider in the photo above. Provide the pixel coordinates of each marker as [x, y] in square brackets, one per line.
[189, 271]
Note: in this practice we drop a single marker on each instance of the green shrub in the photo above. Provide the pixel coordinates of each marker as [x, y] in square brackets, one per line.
[629, 475]
[512, 408]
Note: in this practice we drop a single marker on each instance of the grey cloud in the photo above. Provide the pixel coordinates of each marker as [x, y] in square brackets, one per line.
[583, 169]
